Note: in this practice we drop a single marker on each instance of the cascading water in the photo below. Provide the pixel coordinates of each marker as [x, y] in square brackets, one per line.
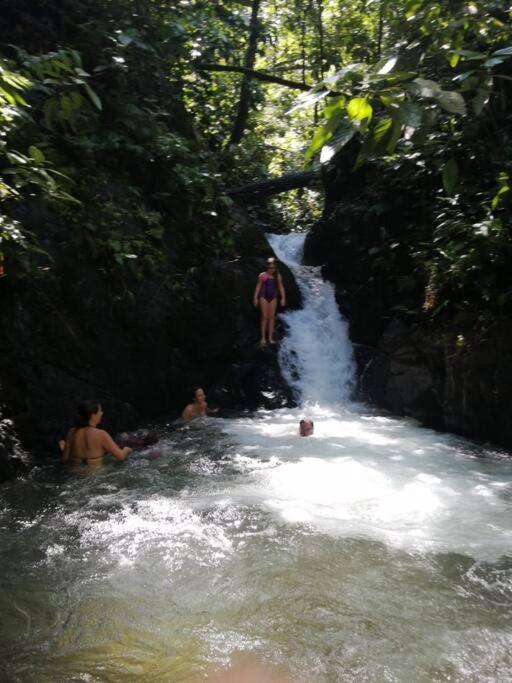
[374, 550]
[316, 355]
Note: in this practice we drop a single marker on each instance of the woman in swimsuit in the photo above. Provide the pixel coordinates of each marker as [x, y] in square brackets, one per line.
[265, 294]
[198, 407]
[85, 443]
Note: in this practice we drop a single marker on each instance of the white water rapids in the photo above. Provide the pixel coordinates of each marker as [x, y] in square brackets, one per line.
[373, 551]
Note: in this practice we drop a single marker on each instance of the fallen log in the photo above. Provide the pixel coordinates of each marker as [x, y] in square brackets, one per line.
[266, 188]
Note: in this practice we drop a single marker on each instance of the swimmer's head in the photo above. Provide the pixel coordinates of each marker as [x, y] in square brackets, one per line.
[306, 426]
[271, 263]
[88, 412]
[198, 394]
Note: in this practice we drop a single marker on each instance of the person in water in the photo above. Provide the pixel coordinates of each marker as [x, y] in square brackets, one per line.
[86, 444]
[198, 407]
[306, 426]
[269, 285]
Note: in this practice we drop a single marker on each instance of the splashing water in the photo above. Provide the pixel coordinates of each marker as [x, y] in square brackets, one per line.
[316, 356]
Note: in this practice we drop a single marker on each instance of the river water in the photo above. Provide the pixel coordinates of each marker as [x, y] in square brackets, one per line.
[374, 550]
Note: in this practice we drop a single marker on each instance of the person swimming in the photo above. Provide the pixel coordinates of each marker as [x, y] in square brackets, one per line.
[85, 444]
[306, 426]
[198, 407]
[268, 286]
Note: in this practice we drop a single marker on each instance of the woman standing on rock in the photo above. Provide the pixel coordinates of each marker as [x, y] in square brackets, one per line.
[269, 284]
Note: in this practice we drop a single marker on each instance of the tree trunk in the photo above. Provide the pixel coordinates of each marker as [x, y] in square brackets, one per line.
[244, 103]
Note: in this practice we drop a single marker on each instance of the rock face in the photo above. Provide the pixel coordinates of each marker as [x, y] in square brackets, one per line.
[455, 374]
[73, 337]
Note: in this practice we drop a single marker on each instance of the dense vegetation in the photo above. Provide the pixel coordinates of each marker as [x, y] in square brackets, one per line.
[123, 123]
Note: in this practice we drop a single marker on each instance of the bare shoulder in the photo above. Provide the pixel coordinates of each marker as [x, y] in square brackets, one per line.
[101, 434]
[188, 412]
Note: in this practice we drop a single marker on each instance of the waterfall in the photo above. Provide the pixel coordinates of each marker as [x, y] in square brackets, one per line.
[316, 356]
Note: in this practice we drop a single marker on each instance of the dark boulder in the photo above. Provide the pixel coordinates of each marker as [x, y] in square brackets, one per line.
[255, 381]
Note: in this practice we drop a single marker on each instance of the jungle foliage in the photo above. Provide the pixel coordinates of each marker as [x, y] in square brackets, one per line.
[126, 120]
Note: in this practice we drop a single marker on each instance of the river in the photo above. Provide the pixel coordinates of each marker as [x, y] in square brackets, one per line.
[375, 550]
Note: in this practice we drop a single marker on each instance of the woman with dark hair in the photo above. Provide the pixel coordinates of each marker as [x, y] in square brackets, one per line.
[269, 285]
[85, 443]
[198, 407]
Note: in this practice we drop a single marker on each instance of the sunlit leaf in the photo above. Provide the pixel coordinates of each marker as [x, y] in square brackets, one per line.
[323, 134]
[382, 129]
[359, 109]
[454, 59]
[309, 98]
[36, 154]
[341, 137]
[388, 66]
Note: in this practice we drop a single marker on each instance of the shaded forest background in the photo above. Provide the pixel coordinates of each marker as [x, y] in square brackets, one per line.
[123, 126]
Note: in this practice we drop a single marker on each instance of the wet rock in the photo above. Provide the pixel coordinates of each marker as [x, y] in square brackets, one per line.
[255, 381]
[405, 376]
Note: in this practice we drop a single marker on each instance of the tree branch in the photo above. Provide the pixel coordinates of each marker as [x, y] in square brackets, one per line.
[260, 75]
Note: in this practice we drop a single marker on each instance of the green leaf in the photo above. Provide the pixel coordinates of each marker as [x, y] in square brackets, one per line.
[388, 65]
[359, 109]
[410, 114]
[364, 152]
[309, 98]
[396, 131]
[323, 134]
[472, 54]
[454, 59]
[498, 196]
[382, 129]
[425, 88]
[452, 102]
[343, 134]
[36, 154]
[493, 61]
[503, 52]
[333, 105]
[95, 99]
[450, 176]
[126, 37]
[480, 100]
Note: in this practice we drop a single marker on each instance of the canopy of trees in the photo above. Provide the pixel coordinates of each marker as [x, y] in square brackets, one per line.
[127, 119]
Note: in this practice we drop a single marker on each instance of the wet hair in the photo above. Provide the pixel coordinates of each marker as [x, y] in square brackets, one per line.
[271, 261]
[84, 412]
[194, 389]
